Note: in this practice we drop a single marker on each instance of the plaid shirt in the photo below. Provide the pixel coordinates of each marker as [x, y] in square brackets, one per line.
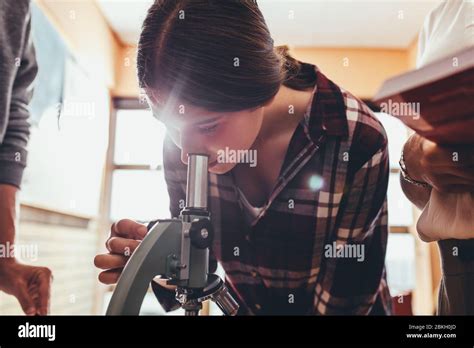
[285, 261]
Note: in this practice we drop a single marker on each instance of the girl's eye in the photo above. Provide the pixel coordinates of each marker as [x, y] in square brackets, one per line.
[208, 129]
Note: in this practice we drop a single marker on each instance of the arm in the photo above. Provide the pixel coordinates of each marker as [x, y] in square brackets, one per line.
[8, 208]
[427, 162]
[13, 147]
[445, 169]
[30, 285]
[418, 195]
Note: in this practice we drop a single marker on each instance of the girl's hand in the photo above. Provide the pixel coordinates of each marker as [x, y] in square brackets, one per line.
[125, 237]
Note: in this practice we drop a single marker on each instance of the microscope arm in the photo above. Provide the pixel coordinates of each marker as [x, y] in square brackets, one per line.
[151, 258]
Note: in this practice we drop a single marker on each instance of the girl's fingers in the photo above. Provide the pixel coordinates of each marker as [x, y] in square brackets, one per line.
[163, 283]
[110, 261]
[111, 276]
[128, 229]
[122, 246]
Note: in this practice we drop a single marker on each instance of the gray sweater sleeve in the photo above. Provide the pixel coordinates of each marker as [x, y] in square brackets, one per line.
[18, 70]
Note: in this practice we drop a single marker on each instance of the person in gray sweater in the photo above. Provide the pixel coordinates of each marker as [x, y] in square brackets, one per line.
[18, 68]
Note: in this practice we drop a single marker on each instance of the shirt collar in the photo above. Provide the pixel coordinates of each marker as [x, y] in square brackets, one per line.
[327, 110]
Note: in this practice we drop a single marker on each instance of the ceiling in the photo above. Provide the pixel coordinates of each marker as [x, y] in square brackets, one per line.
[323, 23]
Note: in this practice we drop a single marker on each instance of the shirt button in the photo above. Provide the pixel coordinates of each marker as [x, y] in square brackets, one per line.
[254, 274]
[258, 306]
[247, 238]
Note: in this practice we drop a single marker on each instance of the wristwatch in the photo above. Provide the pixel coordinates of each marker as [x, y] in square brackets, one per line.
[406, 177]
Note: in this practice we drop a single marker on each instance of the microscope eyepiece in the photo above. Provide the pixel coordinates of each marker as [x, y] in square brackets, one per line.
[196, 190]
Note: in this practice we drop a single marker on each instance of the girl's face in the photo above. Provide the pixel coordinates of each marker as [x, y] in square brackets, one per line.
[195, 130]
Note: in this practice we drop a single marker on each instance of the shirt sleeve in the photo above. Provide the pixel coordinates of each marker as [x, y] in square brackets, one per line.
[422, 39]
[350, 284]
[13, 151]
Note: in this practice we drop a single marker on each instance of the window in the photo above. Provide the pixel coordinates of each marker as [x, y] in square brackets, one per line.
[138, 188]
[400, 263]
[139, 194]
[401, 255]
[138, 138]
[400, 208]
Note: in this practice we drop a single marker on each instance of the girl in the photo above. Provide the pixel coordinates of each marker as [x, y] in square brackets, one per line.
[301, 230]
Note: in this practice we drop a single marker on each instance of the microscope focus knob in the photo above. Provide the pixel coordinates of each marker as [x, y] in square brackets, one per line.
[201, 233]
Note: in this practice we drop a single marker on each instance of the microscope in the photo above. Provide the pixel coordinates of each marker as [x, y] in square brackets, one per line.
[177, 250]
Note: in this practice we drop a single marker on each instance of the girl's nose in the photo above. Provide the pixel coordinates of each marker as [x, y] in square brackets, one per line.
[191, 144]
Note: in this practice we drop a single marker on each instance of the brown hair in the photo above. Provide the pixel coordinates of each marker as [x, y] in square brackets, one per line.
[214, 54]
